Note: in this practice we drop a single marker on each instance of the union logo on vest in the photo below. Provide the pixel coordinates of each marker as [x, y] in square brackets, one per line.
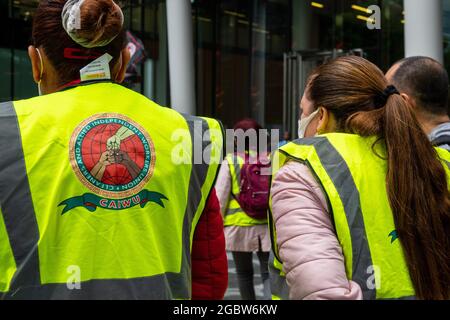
[114, 158]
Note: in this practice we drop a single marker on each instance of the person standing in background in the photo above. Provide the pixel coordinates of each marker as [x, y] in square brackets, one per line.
[286, 139]
[244, 234]
[361, 206]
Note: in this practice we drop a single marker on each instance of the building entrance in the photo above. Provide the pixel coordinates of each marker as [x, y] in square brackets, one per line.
[298, 65]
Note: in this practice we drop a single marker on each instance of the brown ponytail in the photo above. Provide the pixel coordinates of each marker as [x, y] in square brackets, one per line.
[418, 191]
[416, 181]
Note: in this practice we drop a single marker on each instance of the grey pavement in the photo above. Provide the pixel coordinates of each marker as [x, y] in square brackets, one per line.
[233, 289]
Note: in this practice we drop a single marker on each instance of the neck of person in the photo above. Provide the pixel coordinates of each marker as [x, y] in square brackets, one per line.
[56, 87]
[431, 122]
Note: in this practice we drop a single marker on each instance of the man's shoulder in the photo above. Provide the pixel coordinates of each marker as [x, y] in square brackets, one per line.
[440, 136]
[441, 129]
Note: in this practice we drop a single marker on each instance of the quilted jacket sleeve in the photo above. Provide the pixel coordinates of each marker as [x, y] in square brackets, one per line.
[223, 186]
[209, 259]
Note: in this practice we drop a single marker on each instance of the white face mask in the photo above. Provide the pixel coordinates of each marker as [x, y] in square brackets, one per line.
[303, 124]
[42, 71]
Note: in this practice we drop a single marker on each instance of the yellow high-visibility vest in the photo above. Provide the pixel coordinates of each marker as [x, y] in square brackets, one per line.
[234, 214]
[100, 194]
[353, 179]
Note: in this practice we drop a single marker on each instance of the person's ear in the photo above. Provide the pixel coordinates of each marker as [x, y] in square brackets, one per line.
[409, 100]
[324, 119]
[125, 57]
[36, 64]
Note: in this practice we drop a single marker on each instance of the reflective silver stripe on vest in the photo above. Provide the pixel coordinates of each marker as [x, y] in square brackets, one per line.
[237, 168]
[230, 212]
[199, 130]
[278, 284]
[448, 164]
[402, 298]
[16, 202]
[340, 174]
[160, 287]
[237, 176]
[22, 228]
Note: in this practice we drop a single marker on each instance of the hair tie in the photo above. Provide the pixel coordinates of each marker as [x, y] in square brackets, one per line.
[382, 98]
[389, 91]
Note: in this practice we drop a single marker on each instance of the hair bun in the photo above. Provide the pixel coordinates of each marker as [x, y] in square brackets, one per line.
[92, 23]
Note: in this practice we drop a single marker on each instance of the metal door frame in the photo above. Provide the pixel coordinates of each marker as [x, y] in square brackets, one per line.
[295, 78]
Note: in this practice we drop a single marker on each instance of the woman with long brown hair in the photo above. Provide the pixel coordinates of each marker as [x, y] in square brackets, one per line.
[361, 209]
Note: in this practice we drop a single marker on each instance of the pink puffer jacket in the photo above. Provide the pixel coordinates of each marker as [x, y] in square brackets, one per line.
[312, 256]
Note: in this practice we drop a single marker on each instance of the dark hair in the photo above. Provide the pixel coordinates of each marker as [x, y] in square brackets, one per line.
[99, 20]
[247, 125]
[350, 88]
[426, 81]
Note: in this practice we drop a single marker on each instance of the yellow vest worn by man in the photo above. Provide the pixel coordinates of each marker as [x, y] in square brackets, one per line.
[100, 194]
[353, 179]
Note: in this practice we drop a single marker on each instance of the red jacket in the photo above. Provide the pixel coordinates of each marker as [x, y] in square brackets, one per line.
[209, 259]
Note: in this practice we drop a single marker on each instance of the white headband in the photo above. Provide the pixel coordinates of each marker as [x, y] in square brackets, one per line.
[71, 21]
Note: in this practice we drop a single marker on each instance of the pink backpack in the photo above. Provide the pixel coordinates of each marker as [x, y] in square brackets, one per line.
[254, 189]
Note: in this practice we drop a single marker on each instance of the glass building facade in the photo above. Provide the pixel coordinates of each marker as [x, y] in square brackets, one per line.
[239, 48]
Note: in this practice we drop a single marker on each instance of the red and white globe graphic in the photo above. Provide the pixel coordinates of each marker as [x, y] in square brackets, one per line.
[95, 144]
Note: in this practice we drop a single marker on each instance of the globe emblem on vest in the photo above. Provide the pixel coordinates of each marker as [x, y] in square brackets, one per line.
[114, 157]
